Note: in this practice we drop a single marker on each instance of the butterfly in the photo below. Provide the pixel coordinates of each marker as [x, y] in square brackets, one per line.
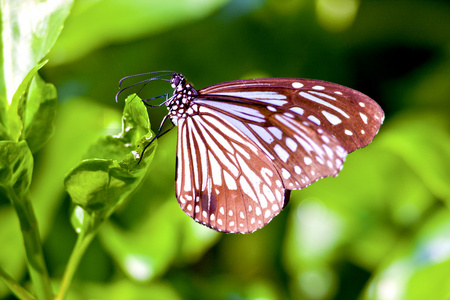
[243, 145]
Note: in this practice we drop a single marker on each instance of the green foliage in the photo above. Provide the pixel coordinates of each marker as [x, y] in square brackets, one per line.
[73, 197]
[16, 167]
[100, 184]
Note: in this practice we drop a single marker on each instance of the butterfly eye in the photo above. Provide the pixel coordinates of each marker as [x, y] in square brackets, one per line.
[177, 80]
[244, 145]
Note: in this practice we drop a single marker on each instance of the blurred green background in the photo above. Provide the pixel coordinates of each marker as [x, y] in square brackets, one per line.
[380, 230]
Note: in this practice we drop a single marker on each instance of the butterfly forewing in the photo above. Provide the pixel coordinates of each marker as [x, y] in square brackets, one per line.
[223, 179]
[349, 115]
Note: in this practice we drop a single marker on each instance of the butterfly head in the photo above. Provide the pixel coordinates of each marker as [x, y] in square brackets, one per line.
[178, 81]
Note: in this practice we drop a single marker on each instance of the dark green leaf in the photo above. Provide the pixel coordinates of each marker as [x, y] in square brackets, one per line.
[16, 167]
[38, 110]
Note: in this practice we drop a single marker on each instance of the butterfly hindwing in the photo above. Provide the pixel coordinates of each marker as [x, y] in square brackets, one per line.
[223, 179]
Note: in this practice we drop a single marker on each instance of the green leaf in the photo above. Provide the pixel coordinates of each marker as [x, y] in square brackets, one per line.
[135, 129]
[100, 184]
[38, 111]
[29, 30]
[15, 124]
[97, 184]
[16, 167]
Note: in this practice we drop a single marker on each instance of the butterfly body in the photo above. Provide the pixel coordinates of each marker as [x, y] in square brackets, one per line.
[244, 145]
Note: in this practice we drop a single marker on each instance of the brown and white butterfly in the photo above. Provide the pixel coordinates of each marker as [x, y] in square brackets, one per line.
[244, 145]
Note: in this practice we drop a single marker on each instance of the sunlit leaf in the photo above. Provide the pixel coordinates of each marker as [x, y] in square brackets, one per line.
[101, 183]
[29, 30]
[15, 125]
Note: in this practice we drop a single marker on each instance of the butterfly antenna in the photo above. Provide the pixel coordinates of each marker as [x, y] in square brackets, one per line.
[142, 82]
[145, 74]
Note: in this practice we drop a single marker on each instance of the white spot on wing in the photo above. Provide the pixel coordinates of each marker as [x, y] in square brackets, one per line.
[263, 95]
[289, 115]
[216, 169]
[314, 119]
[331, 118]
[276, 132]
[291, 144]
[323, 95]
[298, 110]
[268, 193]
[262, 133]
[282, 154]
[286, 174]
[363, 117]
[325, 139]
[307, 160]
[328, 151]
[243, 112]
[297, 85]
[231, 183]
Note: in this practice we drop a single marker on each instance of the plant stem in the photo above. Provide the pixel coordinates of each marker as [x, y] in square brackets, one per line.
[15, 287]
[33, 246]
[83, 241]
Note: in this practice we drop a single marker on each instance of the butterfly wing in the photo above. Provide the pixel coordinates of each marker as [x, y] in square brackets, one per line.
[224, 181]
[252, 141]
